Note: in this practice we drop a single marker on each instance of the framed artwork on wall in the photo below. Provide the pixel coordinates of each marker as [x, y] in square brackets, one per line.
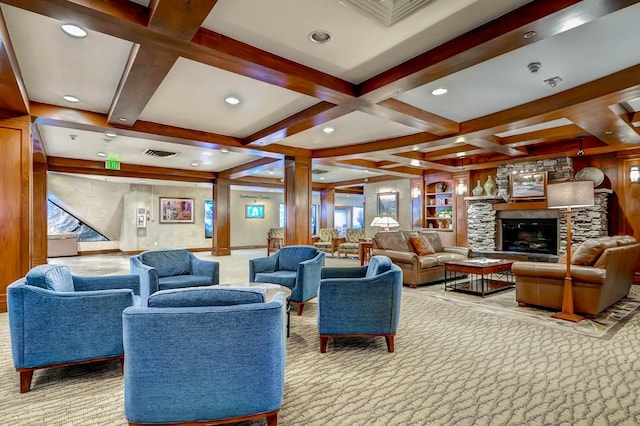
[176, 210]
[529, 185]
[388, 204]
[254, 211]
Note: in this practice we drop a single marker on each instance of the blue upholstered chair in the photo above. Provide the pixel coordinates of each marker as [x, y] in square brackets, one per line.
[360, 301]
[164, 269]
[57, 318]
[296, 267]
[205, 354]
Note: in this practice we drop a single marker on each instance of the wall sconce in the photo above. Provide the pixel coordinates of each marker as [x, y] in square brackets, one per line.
[461, 188]
[634, 174]
[415, 193]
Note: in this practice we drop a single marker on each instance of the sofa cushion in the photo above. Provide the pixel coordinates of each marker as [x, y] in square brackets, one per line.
[285, 278]
[290, 257]
[392, 241]
[179, 281]
[378, 265]
[421, 245]
[428, 261]
[51, 277]
[167, 262]
[205, 296]
[445, 257]
[591, 249]
[624, 240]
[434, 240]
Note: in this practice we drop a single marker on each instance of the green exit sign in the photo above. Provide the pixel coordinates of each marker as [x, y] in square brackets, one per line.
[112, 165]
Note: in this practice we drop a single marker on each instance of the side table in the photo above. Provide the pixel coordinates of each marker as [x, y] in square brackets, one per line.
[364, 251]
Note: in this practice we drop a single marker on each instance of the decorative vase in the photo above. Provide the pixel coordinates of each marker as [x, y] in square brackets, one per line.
[489, 186]
[478, 190]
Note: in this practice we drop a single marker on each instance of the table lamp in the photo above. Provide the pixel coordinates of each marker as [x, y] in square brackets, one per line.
[568, 195]
[384, 222]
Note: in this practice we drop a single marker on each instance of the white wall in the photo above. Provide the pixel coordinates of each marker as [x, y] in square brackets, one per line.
[371, 191]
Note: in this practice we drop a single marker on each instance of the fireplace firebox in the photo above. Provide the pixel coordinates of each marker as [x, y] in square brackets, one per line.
[530, 235]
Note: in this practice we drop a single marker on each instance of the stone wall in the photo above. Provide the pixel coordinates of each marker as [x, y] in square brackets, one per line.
[481, 217]
[586, 222]
[558, 169]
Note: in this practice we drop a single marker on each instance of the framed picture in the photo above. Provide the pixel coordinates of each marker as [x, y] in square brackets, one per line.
[254, 211]
[388, 204]
[176, 210]
[529, 185]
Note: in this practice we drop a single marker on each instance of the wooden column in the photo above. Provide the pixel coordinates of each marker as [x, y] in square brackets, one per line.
[16, 190]
[461, 188]
[297, 199]
[221, 243]
[40, 226]
[327, 207]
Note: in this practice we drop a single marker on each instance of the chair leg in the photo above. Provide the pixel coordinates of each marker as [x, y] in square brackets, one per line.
[25, 380]
[390, 342]
[324, 340]
[272, 420]
[300, 307]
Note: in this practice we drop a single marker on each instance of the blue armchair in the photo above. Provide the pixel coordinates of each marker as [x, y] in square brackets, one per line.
[164, 269]
[360, 301]
[57, 318]
[205, 355]
[296, 267]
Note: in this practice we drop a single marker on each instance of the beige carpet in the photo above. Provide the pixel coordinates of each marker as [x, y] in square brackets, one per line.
[452, 366]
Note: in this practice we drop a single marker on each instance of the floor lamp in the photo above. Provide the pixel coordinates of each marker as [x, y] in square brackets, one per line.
[568, 195]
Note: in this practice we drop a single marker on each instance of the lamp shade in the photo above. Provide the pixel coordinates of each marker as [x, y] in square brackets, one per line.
[385, 222]
[570, 194]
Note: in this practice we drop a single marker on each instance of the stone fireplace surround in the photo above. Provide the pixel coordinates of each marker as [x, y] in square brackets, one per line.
[483, 220]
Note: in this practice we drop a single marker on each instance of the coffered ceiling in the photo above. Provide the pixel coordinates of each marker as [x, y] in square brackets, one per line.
[156, 73]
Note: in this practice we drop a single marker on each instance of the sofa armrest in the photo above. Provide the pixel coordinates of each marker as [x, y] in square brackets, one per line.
[308, 278]
[464, 251]
[149, 280]
[205, 268]
[557, 271]
[106, 282]
[342, 272]
[262, 264]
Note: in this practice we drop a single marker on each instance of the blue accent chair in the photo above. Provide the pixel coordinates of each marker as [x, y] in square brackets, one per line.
[296, 267]
[205, 355]
[57, 318]
[164, 269]
[360, 301]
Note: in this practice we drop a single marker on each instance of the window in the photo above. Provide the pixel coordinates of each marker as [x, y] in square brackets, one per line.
[281, 216]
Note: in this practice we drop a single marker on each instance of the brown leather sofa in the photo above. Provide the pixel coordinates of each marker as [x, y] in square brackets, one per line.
[417, 269]
[601, 270]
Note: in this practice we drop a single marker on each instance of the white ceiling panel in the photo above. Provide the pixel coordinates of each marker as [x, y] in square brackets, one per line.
[192, 96]
[351, 128]
[54, 64]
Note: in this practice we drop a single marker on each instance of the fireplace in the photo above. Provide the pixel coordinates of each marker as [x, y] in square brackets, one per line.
[529, 235]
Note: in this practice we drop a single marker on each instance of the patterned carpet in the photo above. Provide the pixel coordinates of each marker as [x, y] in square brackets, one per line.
[452, 366]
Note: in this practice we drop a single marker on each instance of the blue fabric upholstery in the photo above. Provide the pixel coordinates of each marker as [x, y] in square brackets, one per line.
[51, 277]
[203, 296]
[163, 269]
[359, 304]
[204, 363]
[50, 327]
[279, 269]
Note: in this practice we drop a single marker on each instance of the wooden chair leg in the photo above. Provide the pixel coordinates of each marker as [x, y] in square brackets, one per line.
[122, 363]
[25, 380]
[272, 420]
[300, 307]
[390, 342]
[324, 340]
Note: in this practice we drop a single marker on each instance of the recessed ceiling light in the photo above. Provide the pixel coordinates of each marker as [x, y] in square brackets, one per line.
[608, 132]
[123, 119]
[73, 30]
[415, 148]
[224, 150]
[321, 178]
[271, 172]
[320, 36]
[101, 154]
[71, 98]
[461, 139]
[415, 163]
[110, 134]
[232, 100]
[439, 91]
[195, 163]
[530, 34]
[328, 130]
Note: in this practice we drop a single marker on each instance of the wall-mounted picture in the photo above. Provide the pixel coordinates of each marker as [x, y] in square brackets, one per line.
[254, 211]
[529, 185]
[208, 218]
[388, 204]
[176, 210]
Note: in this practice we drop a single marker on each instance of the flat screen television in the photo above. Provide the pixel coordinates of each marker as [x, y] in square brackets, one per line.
[254, 211]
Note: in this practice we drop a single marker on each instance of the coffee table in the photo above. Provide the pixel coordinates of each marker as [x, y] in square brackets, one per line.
[271, 290]
[484, 276]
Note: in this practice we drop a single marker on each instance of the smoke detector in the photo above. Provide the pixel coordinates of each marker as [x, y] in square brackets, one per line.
[534, 67]
[553, 81]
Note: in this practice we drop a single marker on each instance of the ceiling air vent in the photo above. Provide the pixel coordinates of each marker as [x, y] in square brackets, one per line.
[386, 12]
[319, 172]
[159, 153]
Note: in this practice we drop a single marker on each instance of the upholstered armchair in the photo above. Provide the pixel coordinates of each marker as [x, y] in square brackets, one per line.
[352, 241]
[275, 240]
[296, 267]
[57, 318]
[205, 355]
[360, 301]
[328, 240]
[163, 269]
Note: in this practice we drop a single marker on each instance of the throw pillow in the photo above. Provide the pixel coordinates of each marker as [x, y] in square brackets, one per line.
[421, 245]
[590, 250]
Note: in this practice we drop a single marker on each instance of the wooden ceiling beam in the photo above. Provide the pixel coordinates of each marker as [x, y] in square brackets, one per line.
[427, 121]
[250, 168]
